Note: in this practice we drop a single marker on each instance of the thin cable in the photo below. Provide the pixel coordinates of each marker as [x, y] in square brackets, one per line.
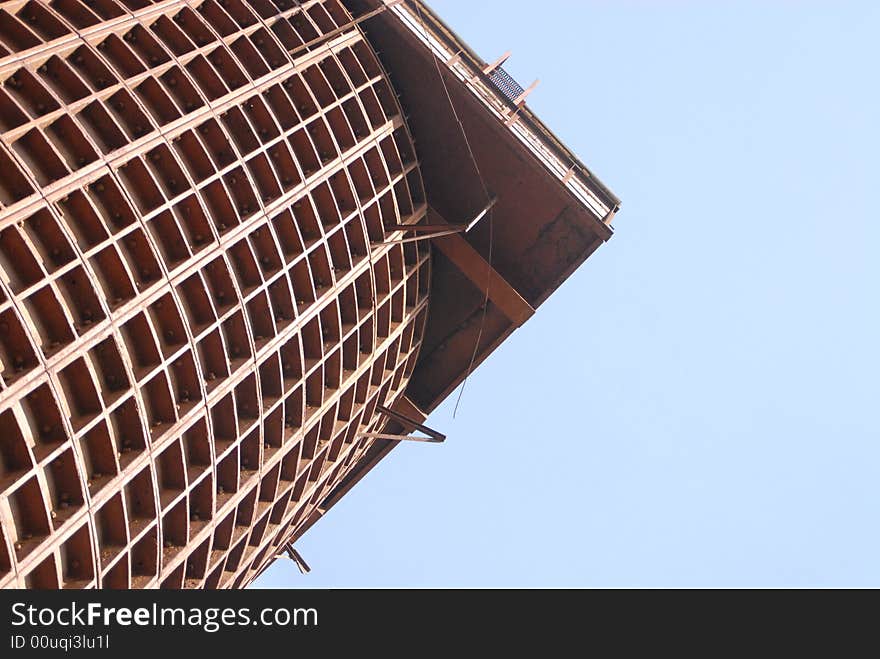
[489, 220]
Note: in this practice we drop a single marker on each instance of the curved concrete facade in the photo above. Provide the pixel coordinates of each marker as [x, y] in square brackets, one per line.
[199, 306]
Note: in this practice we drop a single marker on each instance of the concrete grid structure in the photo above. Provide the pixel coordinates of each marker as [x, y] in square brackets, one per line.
[208, 287]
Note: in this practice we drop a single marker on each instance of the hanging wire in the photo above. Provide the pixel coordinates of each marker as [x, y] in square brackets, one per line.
[489, 219]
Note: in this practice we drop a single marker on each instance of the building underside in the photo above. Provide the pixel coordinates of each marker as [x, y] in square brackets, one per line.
[208, 291]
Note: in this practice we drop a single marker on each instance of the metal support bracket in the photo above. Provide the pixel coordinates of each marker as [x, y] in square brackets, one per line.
[295, 556]
[519, 103]
[436, 230]
[433, 437]
[501, 60]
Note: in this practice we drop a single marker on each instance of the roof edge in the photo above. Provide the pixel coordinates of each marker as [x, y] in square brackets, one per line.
[461, 61]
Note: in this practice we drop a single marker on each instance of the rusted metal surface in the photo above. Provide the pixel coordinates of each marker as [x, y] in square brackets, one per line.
[198, 315]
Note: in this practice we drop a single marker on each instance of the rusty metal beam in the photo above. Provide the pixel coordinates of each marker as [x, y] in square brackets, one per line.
[444, 228]
[409, 425]
[296, 557]
[477, 269]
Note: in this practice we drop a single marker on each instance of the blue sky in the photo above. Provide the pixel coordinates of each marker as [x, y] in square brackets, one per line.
[698, 404]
